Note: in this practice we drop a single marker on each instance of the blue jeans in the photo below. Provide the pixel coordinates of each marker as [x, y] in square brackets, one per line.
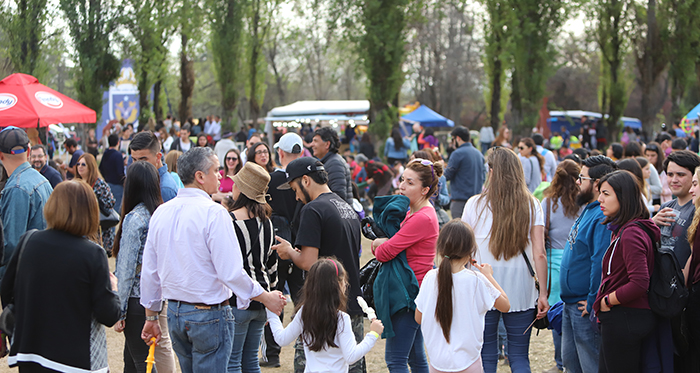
[118, 193]
[248, 329]
[556, 338]
[202, 338]
[580, 344]
[406, 347]
[518, 343]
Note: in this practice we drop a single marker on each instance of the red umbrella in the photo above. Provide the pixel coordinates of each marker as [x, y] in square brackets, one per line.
[26, 103]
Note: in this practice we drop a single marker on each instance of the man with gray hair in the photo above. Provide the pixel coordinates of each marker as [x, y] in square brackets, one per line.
[192, 258]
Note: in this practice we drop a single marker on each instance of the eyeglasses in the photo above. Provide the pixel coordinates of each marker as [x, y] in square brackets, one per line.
[425, 162]
[652, 147]
[261, 152]
[232, 158]
[581, 177]
[81, 164]
[521, 147]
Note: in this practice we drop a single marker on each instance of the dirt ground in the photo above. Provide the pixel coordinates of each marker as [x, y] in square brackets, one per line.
[541, 347]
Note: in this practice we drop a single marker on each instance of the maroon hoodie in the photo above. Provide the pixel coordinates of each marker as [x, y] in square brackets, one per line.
[628, 264]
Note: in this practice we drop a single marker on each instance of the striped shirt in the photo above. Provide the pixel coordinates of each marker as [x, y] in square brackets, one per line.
[256, 237]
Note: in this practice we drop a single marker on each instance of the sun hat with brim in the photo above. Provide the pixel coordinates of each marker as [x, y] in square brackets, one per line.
[252, 181]
[300, 167]
[12, 138]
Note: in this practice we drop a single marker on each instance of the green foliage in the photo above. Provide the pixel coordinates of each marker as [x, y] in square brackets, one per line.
[24, 25]
[533, 25]
[496, 58]
[684, 43]
[259, 19]
[226, 21]
[613, 19]
[90, 24]
[151, 22]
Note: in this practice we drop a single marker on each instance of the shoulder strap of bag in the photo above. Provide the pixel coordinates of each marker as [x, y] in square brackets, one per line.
[532, 272]
[20, 250]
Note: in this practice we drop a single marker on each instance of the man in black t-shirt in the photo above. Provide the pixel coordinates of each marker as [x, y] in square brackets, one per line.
[328, 226]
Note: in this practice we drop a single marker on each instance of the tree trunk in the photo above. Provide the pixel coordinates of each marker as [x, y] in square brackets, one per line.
[647, 71]
[157, 107]
[186, 80]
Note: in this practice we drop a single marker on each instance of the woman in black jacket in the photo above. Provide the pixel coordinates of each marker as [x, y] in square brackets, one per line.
[62, 291]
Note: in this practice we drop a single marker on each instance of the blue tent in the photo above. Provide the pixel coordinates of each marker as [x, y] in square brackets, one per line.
[694, 113]
[427, 118]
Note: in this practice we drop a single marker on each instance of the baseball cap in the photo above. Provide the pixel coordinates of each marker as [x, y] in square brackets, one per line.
[12, 137]
[300, 167]
[290, 143]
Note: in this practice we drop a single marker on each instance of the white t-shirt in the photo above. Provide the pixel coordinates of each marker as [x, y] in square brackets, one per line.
[472, 296]
[328, 360]
[512, 275]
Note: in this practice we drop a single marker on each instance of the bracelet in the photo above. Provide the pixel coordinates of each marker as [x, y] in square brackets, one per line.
[152, 318]
[374, 334]
[607, 301]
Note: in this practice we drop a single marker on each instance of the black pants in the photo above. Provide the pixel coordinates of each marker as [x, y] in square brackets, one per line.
[135, 349]
[622, 331]
[692, 317]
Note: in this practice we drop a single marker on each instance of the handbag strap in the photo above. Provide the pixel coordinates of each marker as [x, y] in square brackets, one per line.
[532, 271]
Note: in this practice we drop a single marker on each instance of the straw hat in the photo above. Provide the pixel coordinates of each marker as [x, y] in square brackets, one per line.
[252, 181]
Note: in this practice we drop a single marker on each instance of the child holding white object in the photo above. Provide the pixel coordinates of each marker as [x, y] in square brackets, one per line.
[325, 329]
[453, 300]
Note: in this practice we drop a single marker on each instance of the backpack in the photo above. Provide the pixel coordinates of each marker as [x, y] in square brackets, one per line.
[667, 292]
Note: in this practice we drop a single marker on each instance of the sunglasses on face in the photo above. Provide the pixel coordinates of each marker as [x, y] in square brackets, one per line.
[521, 147]
[652, 147]
[581, 177]
[261, 152]
[81, 164]
[231, 158]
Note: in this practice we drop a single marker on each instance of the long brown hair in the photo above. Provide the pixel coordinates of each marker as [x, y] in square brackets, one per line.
[93, 171]
[323, 295]
[171, 160]
[239, 164]
[564, 188]
[510, 202]
[250, 156]
[455, 242]
[696, 218]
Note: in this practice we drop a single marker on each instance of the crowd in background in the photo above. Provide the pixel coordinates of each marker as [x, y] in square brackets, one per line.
[217, 226]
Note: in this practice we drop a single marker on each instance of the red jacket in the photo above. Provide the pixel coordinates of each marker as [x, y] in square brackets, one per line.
[627, 265]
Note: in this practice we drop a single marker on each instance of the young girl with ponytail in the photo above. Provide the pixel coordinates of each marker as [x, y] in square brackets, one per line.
[453, 327]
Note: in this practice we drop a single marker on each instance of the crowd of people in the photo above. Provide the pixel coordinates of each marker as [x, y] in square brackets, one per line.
[217, 231]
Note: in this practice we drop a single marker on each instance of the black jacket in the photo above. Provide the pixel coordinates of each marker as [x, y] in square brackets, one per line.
[339, 178]
[61, 285]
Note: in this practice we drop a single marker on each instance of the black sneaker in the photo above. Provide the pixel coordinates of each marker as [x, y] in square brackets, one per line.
[270, 363]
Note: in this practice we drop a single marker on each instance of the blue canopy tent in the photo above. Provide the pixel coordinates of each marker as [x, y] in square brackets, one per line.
[693, 114]
[427, 118]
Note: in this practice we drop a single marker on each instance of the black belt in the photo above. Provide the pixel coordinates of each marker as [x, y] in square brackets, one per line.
[200, 306]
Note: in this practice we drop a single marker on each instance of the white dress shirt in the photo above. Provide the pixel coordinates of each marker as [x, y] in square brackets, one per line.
[214, 129]
[192, 255]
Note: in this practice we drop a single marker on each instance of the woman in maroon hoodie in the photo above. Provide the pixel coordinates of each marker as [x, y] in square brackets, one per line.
[622, 304]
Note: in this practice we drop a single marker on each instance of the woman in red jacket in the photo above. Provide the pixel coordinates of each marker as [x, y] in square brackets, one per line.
[622, 304]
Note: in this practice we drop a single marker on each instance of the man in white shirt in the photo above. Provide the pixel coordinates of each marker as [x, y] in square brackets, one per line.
[193, 260]
[550, 161]
[223, 146]
[213, 127]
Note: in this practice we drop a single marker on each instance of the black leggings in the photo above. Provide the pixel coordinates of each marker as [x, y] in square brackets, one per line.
[622, 331]
[135, 349]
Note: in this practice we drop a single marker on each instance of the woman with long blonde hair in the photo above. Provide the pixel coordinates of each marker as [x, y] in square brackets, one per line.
[509, 228]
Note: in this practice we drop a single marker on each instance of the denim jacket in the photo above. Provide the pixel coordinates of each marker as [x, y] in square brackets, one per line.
[22, 206]
[133, 239]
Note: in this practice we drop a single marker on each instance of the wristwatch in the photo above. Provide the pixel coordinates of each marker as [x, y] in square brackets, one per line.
[152, 318]
[605, 298]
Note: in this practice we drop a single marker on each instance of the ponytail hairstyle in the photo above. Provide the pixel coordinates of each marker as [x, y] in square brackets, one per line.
[455, 242]
[323, 298]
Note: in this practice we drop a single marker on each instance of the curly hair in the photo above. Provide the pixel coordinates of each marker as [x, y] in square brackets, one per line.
[564, 189]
